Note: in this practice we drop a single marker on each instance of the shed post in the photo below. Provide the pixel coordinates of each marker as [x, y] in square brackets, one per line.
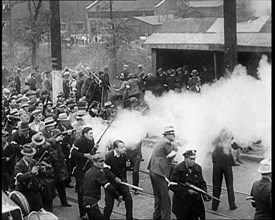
[154, 61]
[215, 64]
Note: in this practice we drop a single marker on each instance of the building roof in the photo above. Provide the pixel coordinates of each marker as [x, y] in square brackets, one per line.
[205, 4]
[135, 5]
[193, 33]
[152, 20]
[245, 26]
[186, 25]
[244, 39]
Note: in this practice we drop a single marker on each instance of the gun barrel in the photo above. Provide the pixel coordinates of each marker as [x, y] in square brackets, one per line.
[197, 189]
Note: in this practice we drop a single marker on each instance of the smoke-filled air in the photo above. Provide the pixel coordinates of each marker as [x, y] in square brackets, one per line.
[238, 103]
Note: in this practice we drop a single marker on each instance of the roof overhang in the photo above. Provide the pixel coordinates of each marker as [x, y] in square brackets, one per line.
[209, 41]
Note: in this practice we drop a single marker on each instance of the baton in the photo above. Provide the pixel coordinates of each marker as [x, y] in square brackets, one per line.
[130, 185]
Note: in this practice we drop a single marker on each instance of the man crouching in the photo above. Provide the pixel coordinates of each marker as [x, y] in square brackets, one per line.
[93, 179]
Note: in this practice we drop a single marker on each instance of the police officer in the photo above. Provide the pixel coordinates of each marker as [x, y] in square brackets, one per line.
[187, 203]
[261, 192]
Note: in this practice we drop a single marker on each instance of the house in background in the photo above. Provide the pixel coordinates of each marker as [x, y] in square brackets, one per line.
[146, 25]
[98, 14]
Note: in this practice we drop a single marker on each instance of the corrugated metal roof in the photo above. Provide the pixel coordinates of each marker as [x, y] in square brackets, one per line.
[205, 4]
[243, 39]
[186, 25]
[247, 26]
[153, 20]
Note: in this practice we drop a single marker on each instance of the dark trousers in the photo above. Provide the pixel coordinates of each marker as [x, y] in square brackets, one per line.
[78, 181]
[220, 170]
[109, 202]
[48, 205]
[135, 161]
[60, 186]
[189, 208]
[34, 199]
[162, 207]
[93, 212]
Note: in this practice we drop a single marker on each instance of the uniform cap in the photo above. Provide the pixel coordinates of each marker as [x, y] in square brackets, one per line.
[190, 153]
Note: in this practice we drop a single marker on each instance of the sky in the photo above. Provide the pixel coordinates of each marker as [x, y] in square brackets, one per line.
[239, 103]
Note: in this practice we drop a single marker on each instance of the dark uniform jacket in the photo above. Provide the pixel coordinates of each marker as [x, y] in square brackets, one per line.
[182, 200]
[93, 179]
[261, 191]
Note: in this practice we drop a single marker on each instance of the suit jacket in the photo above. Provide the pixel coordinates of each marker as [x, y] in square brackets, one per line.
[261, 191]
[23, 175]
[158, 163]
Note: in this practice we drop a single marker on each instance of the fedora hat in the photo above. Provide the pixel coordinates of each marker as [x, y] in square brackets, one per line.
[30, 92]
[24, 126]
[28, 150]
[62, 117]
[169, 130]
[194, 72]
[5, 133]
[49, 122]
[265, 166]
[80, 114]
[38, 139]
[36, 111]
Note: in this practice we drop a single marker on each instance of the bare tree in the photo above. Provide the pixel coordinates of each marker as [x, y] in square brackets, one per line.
[30, 30]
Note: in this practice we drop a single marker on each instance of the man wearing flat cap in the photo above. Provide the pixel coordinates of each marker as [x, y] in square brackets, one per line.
[159, 167]
[261, 191]
[188, 204]
[93, 179]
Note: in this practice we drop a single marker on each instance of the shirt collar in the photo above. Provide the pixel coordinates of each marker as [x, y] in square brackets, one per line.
[116, 154]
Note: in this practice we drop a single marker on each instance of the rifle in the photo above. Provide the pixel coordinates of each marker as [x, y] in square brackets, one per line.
[92, 151]
[191, 186]
[45, 105]
[65, 132]
[30, 184]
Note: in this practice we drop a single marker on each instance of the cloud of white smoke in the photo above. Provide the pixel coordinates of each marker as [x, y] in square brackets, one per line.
[239, 103]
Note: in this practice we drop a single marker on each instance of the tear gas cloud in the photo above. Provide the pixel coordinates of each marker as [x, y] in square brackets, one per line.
[239, 103]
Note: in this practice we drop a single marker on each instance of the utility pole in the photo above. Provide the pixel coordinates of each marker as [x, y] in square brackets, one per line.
[57, 79]
[230, 35]
[114, 55]
[55, 35]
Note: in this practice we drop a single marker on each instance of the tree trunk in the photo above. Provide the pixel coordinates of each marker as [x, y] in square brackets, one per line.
[34, 50]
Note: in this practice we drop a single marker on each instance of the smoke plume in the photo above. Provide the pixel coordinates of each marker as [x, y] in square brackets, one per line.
[239, 103]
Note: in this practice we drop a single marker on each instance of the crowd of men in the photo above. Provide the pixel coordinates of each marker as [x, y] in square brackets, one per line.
[46, 144]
